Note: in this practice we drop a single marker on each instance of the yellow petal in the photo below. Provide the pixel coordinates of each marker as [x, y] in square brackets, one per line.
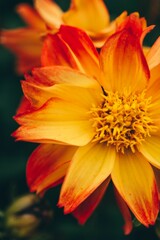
[56, 121]
[82, 15]
[47, 165]
[122, 60]
[90, 166]
[134, 179]
[150, 148]
[50, 12]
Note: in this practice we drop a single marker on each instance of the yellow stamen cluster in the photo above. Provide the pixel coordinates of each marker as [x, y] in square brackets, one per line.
[121, 121]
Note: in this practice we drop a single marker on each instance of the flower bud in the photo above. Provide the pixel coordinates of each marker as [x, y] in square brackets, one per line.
[26, 214]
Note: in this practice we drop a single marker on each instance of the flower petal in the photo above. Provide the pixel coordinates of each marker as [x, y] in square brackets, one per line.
[55, 51]
[30, 16]
[27, 46]
[154, 75]
[47, 165]
[82, 15]
[125, 213]
[157, 176]
[152, 56]
[90, 166]
[154, 63]
[153, 92]
[86, 208]
[100, 37]
[83, 49]
[122, 60]
[24, 106]
[50, 12]
[134, 179]
[57, 120]
[150, 148]
[48, 76]
[63, 83]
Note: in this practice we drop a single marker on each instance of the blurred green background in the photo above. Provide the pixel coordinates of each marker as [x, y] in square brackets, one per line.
[106, 222]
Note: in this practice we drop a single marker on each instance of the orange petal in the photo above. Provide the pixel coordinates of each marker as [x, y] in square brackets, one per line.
[146, 29]
[30, 16]
[55, 51]
[134, 179]
[154, 75]
[154, 62]
[82, 15]
[23, 106]
[152, 56]
[27, 46]
[150, 148]
[83, 49]
[57, 120]
[48, 76]
[50, 12]
[47, 165]
[90, 166]
[61, 83]
[86, 208]
[122, 60]
[125, 213]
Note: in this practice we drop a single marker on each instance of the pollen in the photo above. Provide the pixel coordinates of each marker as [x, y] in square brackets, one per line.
[123, 122]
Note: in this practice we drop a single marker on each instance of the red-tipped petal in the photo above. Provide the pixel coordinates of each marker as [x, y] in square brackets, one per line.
[122, 60]
[134, 179]
[90, 166]
[86, 208]
[125, 213]
[57, 52]
[83, 49]
[48, 82]
[47, 165]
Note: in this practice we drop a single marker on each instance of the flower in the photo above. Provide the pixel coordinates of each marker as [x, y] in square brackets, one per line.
[25, 42]
[46, 17]
[97, 119]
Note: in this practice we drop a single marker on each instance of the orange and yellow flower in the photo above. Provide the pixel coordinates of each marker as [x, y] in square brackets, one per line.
[97, 119]
[46, 17]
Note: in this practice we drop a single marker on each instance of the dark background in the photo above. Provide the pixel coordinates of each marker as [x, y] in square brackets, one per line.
[106, 222]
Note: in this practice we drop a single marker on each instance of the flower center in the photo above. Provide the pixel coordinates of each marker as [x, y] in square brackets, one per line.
[121, 121]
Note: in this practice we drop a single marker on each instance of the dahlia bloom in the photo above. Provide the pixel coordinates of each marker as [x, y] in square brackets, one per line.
[47, 16]
[96, 117]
